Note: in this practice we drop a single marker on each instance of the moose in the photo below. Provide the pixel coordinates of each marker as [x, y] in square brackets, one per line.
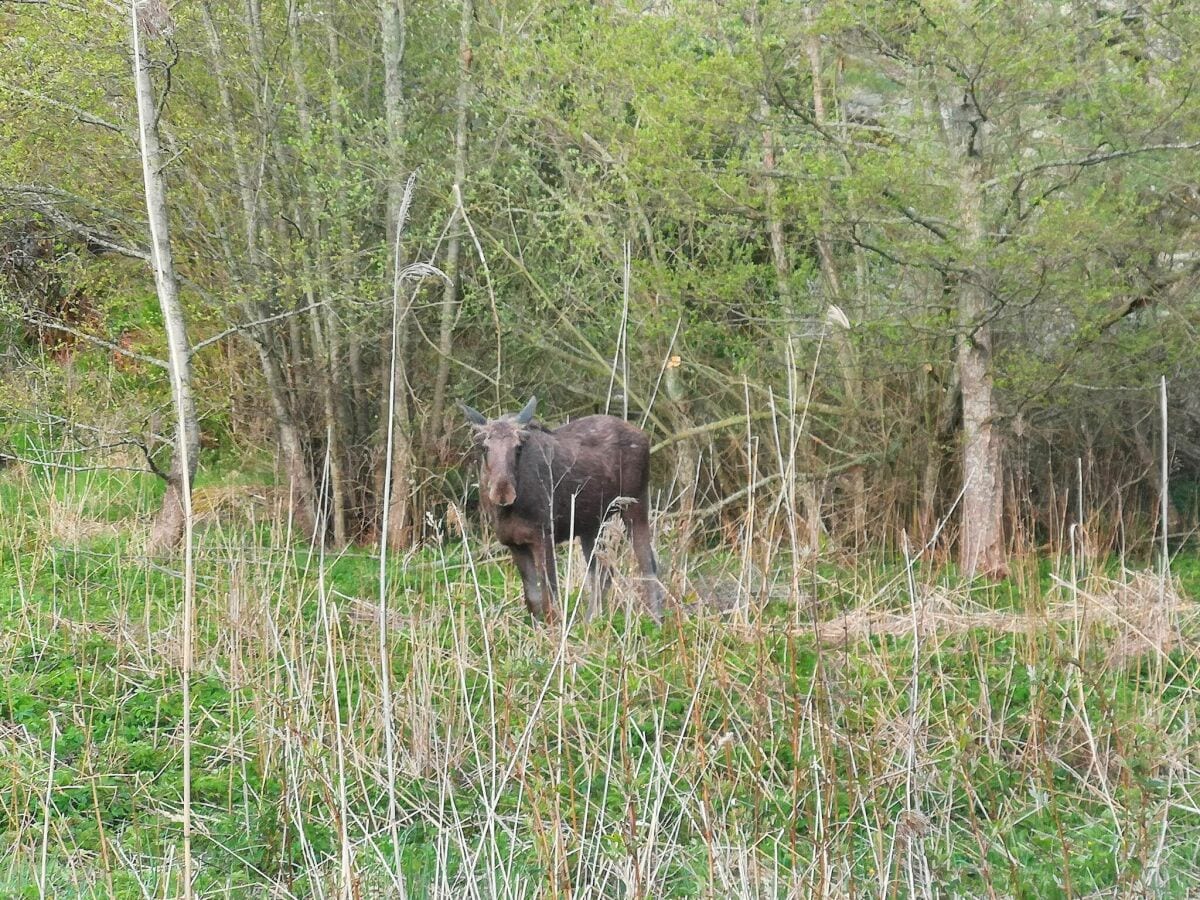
[542, 487]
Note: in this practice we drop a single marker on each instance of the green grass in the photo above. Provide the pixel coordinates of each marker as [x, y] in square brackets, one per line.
[713, 755]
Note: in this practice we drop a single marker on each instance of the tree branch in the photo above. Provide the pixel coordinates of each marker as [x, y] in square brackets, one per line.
[737, 495]
[55, 325]
[81, 114]
[916, 218]
[45, 200]
[247, 326]
[1093, 159]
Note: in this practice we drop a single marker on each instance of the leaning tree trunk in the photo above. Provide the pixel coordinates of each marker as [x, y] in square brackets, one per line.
[174, 520]
[168, 528]
[981, 536]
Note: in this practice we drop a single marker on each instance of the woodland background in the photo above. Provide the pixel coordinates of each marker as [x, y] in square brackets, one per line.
[935, 239]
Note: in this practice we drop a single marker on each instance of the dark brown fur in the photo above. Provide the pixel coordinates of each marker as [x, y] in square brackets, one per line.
[543, 487]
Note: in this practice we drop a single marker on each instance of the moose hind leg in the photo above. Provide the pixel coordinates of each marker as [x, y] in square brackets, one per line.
[637, 522]
[599, 577]
[530, 581]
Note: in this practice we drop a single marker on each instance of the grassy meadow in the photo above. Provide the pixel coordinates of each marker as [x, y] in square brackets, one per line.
[799, 727]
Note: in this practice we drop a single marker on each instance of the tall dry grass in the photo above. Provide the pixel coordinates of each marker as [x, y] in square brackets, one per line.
[799, 727]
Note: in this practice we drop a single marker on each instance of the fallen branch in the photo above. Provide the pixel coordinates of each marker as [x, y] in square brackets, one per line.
[55, 325]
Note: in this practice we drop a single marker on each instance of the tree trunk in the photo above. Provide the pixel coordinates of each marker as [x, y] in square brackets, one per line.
[779, 255]
[944, 402]
[399, 511]
[319, 289]
[301, 491]
[336, 487]
[812, 49]
[450, 293]
[687, 457]
[342, 349]
[295, 463]
[855, 479]
[981, 536]
[169, 526]
[808, 488]
[174, 521]
[364, 498]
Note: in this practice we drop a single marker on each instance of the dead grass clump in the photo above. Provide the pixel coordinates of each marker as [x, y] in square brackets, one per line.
[366, 612]
[938, 611]
[1143, 611]
[218, 502]
[69, 525]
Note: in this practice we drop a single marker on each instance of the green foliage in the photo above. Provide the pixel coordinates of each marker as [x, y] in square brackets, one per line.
[694, 136]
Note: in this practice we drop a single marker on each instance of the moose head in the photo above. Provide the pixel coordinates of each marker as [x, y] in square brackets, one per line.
[499, 441]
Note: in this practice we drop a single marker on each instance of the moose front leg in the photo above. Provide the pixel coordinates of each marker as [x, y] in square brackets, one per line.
[543, 558]
[530, 580]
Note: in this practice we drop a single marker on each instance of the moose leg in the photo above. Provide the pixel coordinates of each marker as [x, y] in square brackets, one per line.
[599, 576]
[543, 557]
[530, 580]
[637, 521]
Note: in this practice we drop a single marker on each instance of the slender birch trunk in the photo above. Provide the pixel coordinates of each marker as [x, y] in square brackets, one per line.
[174, 521]
[172, 518]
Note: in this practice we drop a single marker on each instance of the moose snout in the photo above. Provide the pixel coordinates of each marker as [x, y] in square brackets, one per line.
[503, 493]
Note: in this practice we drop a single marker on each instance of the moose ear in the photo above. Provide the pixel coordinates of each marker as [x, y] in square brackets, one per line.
[474, 416]
[526, 414]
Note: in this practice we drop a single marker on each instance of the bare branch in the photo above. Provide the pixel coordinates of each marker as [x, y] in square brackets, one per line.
[938, 229]
[81, 114]
[47, 201]
[717, 506]
[42, 463]
[1093, 159]
[141, 445]
[247, 326]
[61, 4]
[414, 271]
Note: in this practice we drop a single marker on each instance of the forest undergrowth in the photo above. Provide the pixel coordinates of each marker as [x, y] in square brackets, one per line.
[820, 727]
